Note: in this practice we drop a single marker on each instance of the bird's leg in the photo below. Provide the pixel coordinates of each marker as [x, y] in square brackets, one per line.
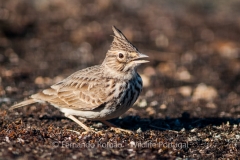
[79, 123]
[115, 128]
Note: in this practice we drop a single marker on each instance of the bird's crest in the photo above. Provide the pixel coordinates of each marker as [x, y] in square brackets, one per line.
[120, 42]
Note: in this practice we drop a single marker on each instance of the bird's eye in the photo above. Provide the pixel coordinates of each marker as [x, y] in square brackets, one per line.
[120, 55]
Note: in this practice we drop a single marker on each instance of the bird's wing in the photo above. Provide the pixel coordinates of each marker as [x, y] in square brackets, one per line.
[79, 91]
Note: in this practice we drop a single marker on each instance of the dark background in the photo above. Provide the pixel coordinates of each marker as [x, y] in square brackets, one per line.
[191, 85]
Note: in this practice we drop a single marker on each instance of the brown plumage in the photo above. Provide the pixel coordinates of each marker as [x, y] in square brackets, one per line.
[99, 92]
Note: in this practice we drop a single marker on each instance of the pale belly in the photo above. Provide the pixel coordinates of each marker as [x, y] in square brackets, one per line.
[112, 109]
[102, 114]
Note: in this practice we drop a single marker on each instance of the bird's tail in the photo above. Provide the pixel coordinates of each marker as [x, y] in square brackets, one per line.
[23, 103]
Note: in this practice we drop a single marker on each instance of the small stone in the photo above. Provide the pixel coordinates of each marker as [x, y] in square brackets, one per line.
[10, 89]
[139, 130]
[211, 105]
[149, 93]
[217, 136]
[130, 150]
[204, 92]
[183, 74]
[154, 103]
[104, 153]
[20, 140]
[151, 111]
[43, 81]
[228, 50]
[193, 130]
[39, 80]
[132, 144]
[116, 152]
[74, 156]
[237, 136]
[163, 106]
[142, 103]
[185, 91]
[28, 149]
[98, 125]
[7, 139]
[7, 73]
[160, 151]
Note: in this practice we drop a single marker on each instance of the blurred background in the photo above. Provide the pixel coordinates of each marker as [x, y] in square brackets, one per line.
[193, 48]
[191, 84]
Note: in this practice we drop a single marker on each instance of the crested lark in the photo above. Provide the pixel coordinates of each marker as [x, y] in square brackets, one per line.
[99, 92]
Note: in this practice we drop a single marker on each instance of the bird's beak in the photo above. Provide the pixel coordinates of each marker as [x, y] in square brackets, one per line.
[139, 59]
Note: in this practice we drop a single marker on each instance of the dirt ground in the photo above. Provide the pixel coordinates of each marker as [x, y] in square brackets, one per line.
[190, 104]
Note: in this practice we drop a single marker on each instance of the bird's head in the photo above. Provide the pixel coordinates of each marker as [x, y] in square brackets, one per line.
[123, 56]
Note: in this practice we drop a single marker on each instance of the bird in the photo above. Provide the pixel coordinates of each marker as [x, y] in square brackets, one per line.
[101, 92]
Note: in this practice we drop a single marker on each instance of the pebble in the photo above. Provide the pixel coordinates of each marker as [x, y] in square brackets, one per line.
[28, 149]
[237, 136]
[154, 103]
[43, 81]
[98, 125]
[228, 50]
[202, 91]
[10, 89]
[142, 103]
[185, 91]
[151, 111]
[20, 140]
[163, 106]
[104, 153]
[183, 74]
[211, 105]
[7, 139]
[139, 130]
[183, 130]
[74, 156]
[193, 130]
[149, 93]
[132, 144]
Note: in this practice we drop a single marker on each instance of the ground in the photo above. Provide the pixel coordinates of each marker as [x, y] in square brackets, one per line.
[190, 104]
